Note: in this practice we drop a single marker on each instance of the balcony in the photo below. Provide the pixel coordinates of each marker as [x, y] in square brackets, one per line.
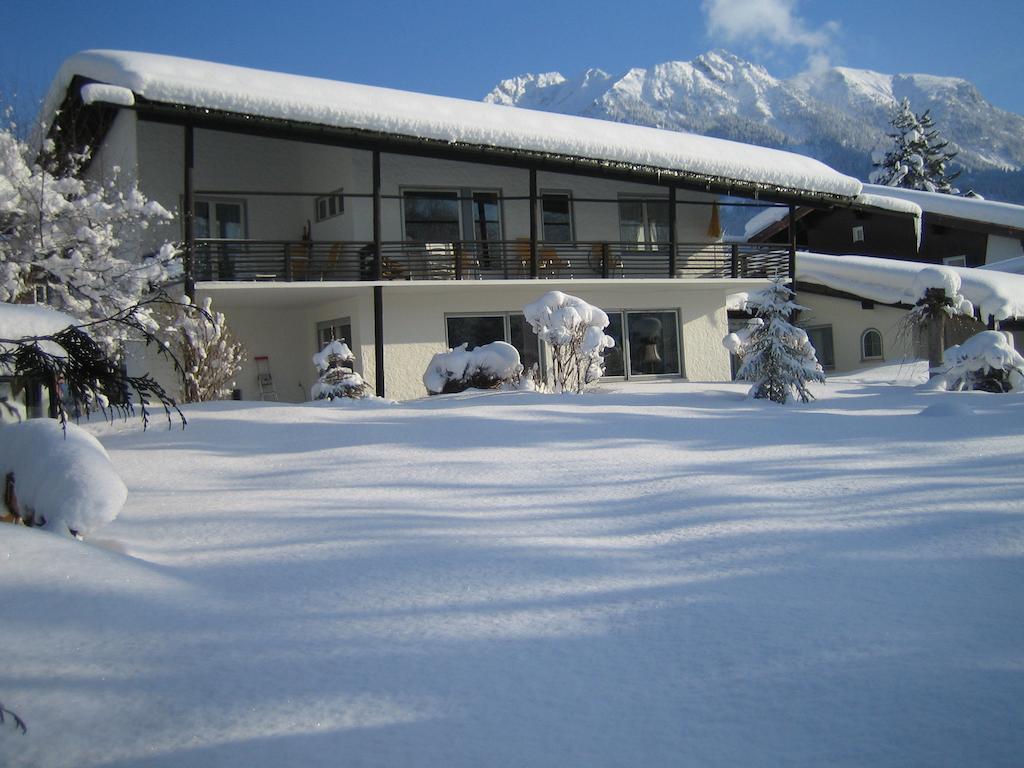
[305, 261]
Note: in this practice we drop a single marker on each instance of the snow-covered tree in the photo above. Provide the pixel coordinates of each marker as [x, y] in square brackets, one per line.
[777, 356]
[77, 243]
[337, 379]
[208, 353]
[918, 157]
[575, 332]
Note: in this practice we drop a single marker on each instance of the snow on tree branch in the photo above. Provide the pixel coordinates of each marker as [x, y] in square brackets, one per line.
[78, 242]
[918, 157]
[777, 356]
[575, 332]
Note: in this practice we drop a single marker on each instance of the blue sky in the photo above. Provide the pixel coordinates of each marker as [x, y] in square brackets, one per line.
[460, 48]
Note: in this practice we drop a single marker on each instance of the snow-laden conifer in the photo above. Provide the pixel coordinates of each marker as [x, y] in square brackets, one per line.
[918, 157]
[337, 379]
[777, 356]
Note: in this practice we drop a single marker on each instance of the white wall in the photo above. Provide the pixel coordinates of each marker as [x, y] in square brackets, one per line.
[233, 162]
[849, 320]
[415, 328]
[1002, 248]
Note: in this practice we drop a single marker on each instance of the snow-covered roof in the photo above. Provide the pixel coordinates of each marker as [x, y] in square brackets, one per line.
[969, 208]
[1015, 265]
[889, 281]
[206, 85]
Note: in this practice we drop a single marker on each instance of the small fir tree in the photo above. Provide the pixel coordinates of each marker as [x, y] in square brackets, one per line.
[918, 158]
[337, 379]
[777, 356]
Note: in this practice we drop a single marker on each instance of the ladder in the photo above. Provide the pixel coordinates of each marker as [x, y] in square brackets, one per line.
[263, 378]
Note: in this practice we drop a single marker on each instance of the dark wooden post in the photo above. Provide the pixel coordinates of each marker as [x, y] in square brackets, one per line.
[188, 216]
[605, 256]
[792, 244]
[734, 260]
[673, 238]
[378, 257]
[378, 338]
[935, 299]
[533, 223]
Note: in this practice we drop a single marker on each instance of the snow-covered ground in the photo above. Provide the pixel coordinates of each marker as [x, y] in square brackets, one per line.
[650, 575]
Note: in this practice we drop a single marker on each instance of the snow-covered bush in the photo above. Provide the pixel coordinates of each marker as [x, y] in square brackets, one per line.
[59, 478]
[777, 356]
[208, 353]
[575, 332]
[987, 361]
[76, 241]
[337, 379]
[489, 366]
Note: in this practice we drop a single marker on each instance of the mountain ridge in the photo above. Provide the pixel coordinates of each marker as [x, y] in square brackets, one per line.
[837, 115]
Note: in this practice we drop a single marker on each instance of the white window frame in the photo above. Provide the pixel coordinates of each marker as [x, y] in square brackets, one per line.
[624, 346]
[881, 347]
[645, 200]
[337, 197]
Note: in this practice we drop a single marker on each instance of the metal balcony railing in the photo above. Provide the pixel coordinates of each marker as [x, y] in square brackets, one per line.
[303, 261]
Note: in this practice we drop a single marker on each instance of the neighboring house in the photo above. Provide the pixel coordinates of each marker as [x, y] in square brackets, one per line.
[851, 329]
[405, 224]
[945, 229]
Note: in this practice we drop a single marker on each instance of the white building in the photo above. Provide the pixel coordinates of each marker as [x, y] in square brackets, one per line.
[405, 224]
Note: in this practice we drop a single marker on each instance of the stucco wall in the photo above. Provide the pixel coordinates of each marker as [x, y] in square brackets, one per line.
[849, 320]
[415, 329]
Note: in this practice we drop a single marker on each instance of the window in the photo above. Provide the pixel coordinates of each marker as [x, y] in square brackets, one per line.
[510, 327]
[556, 217]
[328, 206]
[871, 345]
[449, 216]
[955, 261]
[643, 221]
[218, 220]
[486, 221]
[858, 234]
[432, 217]
[221, 219]
[646, 344]
[821, 339]
[333, 330]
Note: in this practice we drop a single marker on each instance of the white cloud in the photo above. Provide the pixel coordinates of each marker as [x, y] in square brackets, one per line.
[774, 21]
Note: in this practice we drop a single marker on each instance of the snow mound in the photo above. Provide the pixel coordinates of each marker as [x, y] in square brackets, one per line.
[64, 482]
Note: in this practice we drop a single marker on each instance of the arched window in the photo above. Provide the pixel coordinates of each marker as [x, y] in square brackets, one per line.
[871, 345]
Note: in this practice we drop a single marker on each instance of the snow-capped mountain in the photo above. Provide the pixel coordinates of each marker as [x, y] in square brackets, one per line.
[838, 115]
